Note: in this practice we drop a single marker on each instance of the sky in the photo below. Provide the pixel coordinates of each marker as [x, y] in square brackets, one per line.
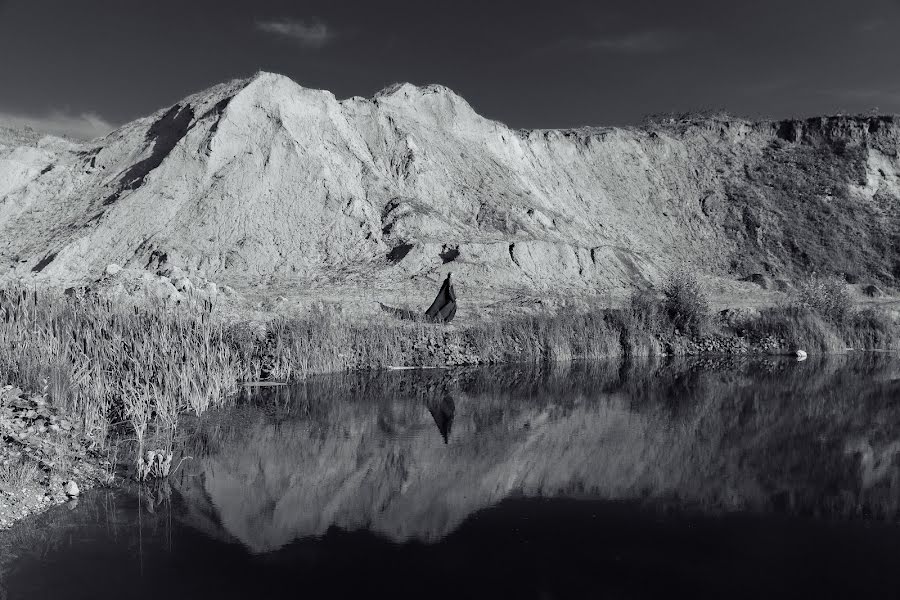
[81, 67]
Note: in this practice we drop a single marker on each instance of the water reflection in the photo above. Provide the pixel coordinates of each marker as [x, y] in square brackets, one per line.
[711, 478]
[442, 411]
[360, 452]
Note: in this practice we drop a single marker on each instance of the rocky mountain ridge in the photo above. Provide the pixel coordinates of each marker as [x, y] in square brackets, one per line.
[261, 183]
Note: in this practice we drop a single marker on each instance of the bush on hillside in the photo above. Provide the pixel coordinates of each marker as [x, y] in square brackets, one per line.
[685, 302]
[827, 297]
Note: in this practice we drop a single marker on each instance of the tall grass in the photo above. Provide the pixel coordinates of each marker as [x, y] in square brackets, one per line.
[793, 328]
[16, 473]
[108, 364]
[562, 337]
[137, 369]
[324, 342]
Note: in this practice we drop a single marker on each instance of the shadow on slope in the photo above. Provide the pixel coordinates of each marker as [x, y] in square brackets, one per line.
[164, 134]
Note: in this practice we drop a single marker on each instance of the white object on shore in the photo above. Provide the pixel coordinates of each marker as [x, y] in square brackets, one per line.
[801, 355]
[71, 489]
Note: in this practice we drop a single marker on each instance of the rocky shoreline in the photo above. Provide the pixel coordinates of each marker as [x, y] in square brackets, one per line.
[44, 459]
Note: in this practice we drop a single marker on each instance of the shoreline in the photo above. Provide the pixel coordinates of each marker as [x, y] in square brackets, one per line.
[42, 451]
[45, 444]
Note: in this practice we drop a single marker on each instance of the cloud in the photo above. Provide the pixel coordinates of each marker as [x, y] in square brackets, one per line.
[84, 126]
[869, 26]
[641, 42]
[312, 34]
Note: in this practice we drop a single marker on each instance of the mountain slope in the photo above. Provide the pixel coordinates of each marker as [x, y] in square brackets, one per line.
[264, 182]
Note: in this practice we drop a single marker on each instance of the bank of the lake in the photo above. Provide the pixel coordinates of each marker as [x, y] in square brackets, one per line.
[44, 459]
[112, 371]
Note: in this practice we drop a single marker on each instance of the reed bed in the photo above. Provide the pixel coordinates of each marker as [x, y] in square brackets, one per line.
[137, 369]
[107, 365]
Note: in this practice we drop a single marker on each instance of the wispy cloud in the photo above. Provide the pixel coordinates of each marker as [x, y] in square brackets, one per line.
[639, 42]
[312, 34]
[84, 126]
[869, 26]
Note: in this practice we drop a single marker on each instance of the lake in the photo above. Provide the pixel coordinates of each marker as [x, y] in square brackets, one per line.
[712, 477]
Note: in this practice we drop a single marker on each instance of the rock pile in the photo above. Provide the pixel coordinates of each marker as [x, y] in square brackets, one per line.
[44, 459]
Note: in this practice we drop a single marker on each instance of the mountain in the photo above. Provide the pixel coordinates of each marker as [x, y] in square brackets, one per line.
[262, 184]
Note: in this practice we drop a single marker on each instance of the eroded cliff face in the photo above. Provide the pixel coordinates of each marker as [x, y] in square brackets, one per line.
[262, 181]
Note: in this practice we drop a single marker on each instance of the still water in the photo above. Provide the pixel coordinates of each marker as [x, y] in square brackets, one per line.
[706, 478]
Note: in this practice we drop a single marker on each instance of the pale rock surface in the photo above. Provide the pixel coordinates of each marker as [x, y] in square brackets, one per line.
[272, 188]
[71, 489]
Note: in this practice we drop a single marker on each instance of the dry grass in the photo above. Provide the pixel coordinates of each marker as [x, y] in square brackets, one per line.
[827, 297]
[17, 473]
[136, 370]
[105, 364]
[797, 327]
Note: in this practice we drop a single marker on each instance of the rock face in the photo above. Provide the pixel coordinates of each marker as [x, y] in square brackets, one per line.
[262, 181]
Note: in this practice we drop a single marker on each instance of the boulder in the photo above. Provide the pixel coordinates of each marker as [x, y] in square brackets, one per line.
[113, 269]
[71, 489]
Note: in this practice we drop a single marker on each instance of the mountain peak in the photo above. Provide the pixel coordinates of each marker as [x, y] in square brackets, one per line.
[409, 91]
[437, 100]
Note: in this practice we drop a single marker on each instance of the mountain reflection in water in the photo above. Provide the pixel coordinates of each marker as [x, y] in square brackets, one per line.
[721, 477]
[362, 451]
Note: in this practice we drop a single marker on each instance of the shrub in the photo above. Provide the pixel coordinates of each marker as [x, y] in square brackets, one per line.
[827, 297]
[685, 302]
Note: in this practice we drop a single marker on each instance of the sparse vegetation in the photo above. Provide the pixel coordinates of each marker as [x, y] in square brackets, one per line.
[681, 306]
[685, 302]
[827, 297]
[16, 473]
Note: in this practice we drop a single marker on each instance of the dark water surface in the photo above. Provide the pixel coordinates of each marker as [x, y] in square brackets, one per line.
[711, 478]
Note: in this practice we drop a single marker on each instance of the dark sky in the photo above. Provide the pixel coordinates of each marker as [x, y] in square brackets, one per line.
[82, 64]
